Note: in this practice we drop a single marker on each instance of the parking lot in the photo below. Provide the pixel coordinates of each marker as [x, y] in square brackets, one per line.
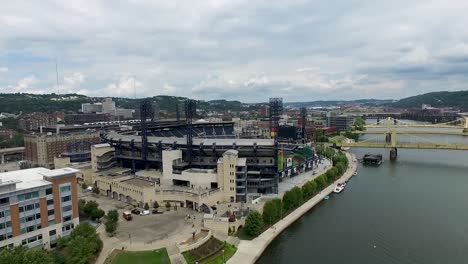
[149, 228]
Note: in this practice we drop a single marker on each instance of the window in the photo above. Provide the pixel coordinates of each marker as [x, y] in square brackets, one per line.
[66, 198]
[48, 191]
[50, 212]
[67, 208]
[5, 200]
[4, 213]
[50, 202]
[52, 222]
[67, 218]
[65, 188]
[52, 232]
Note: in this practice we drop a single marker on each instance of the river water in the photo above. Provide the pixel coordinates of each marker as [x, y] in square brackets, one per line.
[414, 210]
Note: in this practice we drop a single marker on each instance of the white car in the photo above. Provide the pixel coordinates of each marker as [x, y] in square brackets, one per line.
[145, 212]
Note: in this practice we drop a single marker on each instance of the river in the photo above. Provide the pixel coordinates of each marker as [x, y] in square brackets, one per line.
[414, 210]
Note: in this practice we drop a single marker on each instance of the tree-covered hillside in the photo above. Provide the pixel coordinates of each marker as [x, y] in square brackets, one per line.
[458, 99]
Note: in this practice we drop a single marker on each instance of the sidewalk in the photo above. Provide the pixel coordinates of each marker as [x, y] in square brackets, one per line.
[249, 251]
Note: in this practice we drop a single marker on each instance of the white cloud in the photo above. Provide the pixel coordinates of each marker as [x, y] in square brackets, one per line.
[250, 50]
[26, 85]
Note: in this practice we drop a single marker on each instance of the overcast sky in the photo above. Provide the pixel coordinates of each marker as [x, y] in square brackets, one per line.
[235, 50]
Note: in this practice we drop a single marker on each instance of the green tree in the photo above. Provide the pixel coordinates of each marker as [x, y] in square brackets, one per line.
[82, 246]
[168, 206]
[321, 182]
[146, 206]
[113, 215]
[359, 124]
[272, 211]
[155, 205]
[84, 186]
[254, 224]
[111, 226]
[22, 255]
[309, 189]
[292, 199]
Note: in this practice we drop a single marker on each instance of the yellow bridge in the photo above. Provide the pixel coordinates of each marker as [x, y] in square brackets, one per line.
[459, 128]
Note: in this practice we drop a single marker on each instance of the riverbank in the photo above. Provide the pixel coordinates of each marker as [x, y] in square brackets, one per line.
[250, 251]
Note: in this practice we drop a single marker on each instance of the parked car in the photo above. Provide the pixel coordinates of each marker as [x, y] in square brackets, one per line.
[127, 215]
[136, 211]
[155, 211]
[145, 212]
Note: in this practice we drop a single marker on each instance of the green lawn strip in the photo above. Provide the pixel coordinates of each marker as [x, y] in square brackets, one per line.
[229, 251]
[159, 256]
[211, 255]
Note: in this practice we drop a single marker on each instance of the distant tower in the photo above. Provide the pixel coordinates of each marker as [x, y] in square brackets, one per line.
[276, 110]
[190, 111]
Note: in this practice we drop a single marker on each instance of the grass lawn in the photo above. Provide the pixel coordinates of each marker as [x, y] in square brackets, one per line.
[217, 258]
[158, 256]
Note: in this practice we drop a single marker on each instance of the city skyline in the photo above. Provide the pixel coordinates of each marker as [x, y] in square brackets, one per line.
[299, 50]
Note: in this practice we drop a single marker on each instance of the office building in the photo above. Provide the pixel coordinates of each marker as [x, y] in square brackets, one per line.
[340, 122]
[41, 148]
[37, 206]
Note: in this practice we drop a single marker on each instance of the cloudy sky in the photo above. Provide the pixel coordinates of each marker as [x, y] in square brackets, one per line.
[235, 49]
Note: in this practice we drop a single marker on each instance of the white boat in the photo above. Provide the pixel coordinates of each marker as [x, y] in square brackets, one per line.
[338, 189]
[355, 173]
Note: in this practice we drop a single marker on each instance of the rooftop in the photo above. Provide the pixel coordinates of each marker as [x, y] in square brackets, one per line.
[140, 182]
[30, 178]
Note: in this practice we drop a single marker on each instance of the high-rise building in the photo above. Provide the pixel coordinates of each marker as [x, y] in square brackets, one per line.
[41, 148]
[37, 206]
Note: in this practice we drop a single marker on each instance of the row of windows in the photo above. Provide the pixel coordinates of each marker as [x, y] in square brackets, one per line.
[31, 239]
[30, 228]
[30, 218]
[4, 213]
[6, 236]
[50, 212]
[27, 196]
[29, 207]
[48, 191]
[5, 225]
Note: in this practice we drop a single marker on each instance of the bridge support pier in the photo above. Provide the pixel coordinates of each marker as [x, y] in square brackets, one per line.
[393, 154]
[388, 137]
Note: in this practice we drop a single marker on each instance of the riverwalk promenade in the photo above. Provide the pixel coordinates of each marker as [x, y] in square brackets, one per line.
[249, 251]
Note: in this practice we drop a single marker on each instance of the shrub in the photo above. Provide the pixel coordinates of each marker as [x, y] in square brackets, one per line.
[155, 205]
[146, 206]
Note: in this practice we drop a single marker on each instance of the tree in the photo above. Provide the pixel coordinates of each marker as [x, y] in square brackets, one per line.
[111, 226]
[359, 124]
[168, 206]
[146, 206]
[82, 246]
[155, 205]
[272, 211]
[253, 224]
[309, 189]
[84, 186]
[96, 190]
[321, 182]
[292, 199]
[22, 255]
[113, 215]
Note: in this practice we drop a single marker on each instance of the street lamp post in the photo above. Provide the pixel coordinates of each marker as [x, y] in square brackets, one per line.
[223, 257]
